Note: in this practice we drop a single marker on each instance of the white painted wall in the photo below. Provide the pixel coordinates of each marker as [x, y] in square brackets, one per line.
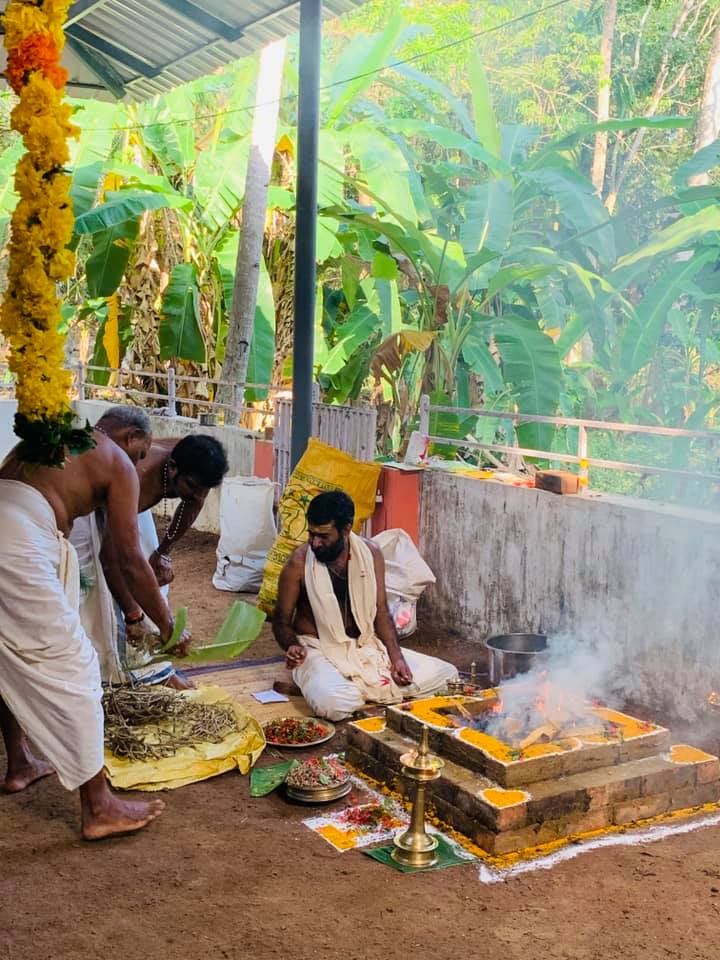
[639, 580]
[8, 409]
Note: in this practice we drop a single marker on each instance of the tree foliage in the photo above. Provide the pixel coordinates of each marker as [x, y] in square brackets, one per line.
[463, 250]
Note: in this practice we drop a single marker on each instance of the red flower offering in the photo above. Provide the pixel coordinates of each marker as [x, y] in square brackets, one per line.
[296, 732]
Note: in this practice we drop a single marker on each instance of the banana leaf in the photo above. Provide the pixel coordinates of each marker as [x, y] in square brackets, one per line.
[180, 624]
[241, 628]
[263, 780]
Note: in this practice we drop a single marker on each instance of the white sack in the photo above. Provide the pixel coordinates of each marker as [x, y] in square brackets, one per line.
[406, 576]
[247, 532]
[406, 573]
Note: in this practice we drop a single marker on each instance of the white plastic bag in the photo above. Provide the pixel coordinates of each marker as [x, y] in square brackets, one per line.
[247, 532]
[406, 577]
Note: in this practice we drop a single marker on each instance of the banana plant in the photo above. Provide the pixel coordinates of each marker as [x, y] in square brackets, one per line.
[197, 172]
[501, 250]
[476, 252]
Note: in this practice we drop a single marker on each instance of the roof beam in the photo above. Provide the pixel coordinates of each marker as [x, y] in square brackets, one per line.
[204, 19]
[81, 8]
[104, 71]
[112, 50]
[79, 85]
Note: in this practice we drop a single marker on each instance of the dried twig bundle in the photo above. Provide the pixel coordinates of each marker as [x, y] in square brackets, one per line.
[152, 723]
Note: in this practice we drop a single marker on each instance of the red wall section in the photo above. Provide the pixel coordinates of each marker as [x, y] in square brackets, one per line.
[400, 507]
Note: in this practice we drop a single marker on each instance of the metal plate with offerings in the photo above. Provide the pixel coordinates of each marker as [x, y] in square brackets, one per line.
[319, 780]
[296, 732]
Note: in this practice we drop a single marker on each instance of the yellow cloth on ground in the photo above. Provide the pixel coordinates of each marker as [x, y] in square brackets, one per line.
[320, 468]
[239, 750]
[49, 674]
[341, 673]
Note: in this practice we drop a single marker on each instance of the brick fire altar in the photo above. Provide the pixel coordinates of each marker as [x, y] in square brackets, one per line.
[509, 793]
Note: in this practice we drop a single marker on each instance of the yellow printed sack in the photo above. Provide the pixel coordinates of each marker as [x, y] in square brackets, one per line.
[320, 468]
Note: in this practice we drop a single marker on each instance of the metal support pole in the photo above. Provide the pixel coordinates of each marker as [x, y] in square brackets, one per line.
[172, 393]
[583, 457]
[306, 224]
[81, 381]
[425, 415]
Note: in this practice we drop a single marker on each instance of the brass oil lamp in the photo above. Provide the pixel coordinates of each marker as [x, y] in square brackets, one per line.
[414, 847]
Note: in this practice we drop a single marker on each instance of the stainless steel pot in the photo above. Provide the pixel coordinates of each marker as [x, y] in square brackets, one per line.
[513, 653]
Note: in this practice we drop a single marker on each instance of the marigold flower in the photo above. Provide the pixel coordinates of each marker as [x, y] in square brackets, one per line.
[37, 52]
[41, 228]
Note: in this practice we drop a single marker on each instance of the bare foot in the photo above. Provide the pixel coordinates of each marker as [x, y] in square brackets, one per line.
[117, 816]
[178, 683]
[28, 773]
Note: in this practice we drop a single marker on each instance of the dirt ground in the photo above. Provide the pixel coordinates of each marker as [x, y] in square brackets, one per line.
[221, 875]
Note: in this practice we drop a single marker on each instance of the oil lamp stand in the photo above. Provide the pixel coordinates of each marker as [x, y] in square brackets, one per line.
[416, 848]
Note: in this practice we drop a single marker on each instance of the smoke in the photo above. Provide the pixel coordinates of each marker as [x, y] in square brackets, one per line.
[560, 689]
[573, 676]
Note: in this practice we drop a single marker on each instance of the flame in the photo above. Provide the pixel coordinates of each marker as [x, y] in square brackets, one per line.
[714, 699]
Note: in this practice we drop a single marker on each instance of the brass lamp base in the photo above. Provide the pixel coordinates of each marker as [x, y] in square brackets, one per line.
[416, 850]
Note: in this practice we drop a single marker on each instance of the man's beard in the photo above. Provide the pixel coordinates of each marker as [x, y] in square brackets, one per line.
[328, 554]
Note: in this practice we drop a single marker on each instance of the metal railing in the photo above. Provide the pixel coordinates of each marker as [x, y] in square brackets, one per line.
[7, 383]
[581, 458]
[350, 429]
[168, 401]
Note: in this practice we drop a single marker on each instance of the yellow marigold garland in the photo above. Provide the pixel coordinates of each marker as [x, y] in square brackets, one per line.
[41, 229]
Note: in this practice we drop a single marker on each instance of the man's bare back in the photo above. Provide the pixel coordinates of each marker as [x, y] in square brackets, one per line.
[102, 477]
[81, 486]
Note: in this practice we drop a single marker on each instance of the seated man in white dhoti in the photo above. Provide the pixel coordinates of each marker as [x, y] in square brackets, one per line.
[184, 469]
[50, 686]
[333, 621]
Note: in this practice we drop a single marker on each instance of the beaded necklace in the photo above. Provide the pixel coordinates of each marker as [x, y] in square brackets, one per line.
[177, 519]
[343, 582]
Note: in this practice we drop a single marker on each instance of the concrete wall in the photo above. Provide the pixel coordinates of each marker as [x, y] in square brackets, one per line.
[8, 408]
[640, 581]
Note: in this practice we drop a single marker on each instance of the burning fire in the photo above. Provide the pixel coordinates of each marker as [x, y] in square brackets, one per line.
[536, 710]
[714, 699]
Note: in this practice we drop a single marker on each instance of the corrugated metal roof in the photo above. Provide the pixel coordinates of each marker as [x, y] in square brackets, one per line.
[138, 48]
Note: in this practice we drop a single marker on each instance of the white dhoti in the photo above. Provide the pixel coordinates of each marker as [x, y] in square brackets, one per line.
[101, 617]
[97, 611]
[49, 674]
[341, 673]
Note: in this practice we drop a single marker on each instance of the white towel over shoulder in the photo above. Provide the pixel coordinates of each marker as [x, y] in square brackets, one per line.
[363, 660]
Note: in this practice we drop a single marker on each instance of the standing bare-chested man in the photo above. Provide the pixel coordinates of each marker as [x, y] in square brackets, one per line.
[173, 469]
[49, 678]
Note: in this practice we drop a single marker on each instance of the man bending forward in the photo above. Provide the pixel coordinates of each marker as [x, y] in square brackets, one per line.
[332, 618]
[49, 677]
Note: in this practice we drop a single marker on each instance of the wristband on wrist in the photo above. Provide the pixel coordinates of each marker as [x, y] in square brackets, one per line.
[133, 619]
